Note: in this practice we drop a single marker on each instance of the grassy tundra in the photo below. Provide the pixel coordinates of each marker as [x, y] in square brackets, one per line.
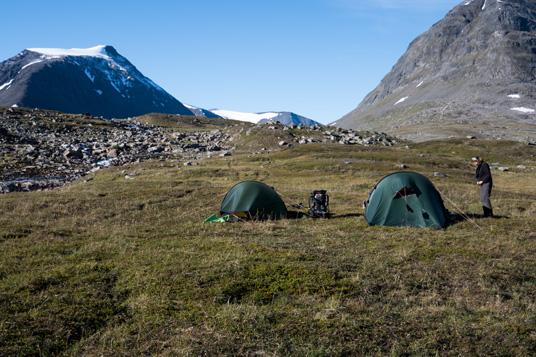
[124, 265]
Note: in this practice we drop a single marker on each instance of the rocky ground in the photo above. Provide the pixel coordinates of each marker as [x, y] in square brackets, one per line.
[42, 149]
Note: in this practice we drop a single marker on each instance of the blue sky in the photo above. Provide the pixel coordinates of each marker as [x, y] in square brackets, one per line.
[317, 58]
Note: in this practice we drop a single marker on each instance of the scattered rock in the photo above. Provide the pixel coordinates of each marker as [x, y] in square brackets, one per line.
[112, 153]
[26, 185]
[57, 148]
[48, 146]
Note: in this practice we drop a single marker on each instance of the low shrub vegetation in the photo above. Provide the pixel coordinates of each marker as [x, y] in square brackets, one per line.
[126, 266]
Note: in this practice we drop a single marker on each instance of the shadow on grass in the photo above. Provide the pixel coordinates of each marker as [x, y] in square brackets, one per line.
[478, 216]
[349, 215]
[297, 215]
[455, 218]
[300, 215]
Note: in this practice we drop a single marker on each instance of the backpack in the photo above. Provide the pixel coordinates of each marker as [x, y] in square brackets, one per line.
[318, 204]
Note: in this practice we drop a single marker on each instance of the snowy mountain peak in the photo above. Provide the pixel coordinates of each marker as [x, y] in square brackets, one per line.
[97, 51]
[286, 118]
[117, 68]
[97, 80]
[249, 117]
[102, 82]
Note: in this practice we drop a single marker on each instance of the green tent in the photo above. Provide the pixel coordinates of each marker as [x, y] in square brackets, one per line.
[406, 199]
[256, 199]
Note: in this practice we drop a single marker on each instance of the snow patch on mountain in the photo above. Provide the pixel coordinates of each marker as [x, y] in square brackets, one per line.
[401, 100]
[249, 117]
[32, 63]
[524, 110]
[286, 118]
[7, 84]
[90, 76]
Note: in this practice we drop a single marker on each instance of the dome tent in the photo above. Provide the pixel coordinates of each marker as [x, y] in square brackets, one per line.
[256, 199]
[406, 199]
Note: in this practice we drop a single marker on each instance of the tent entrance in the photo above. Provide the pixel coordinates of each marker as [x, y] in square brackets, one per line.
[406, 191]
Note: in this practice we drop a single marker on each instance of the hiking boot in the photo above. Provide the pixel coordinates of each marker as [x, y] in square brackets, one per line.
[488, 212]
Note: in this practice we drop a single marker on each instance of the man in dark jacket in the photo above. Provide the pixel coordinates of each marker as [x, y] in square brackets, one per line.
[484, 180]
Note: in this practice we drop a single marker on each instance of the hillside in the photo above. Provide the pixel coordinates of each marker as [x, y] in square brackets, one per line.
[120, 262]
[471, 73]
[95, 80]
[42, 149]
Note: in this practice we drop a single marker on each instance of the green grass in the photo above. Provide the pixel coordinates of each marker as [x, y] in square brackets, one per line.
[117, 266]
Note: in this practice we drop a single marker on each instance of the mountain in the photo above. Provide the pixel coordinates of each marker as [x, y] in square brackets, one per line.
[472, 73]
[200, 112]
[97, 80]
[286, 118]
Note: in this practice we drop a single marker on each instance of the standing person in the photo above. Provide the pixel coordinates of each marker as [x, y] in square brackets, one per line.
[484, 180]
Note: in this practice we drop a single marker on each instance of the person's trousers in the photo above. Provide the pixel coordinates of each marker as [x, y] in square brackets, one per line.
[485, 193]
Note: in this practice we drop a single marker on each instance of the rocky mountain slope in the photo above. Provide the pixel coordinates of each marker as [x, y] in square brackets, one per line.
[472, 73]
[97, 80]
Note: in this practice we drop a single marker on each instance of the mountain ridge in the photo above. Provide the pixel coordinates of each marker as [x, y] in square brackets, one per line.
[97, 80]
[471, 73]
[286, 118]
